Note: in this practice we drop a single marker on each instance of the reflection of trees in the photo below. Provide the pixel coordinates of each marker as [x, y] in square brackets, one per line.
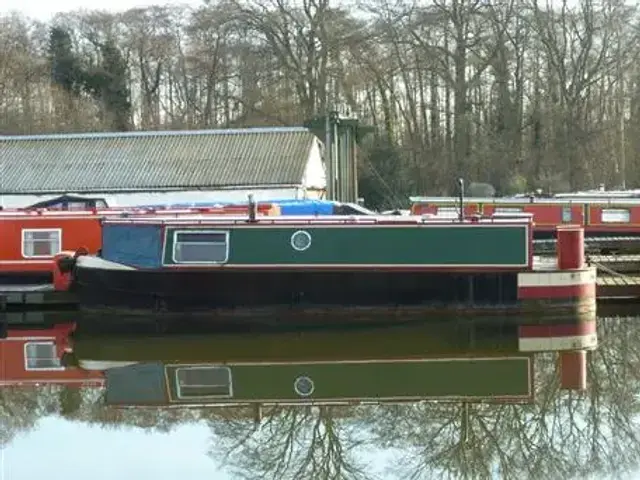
[20, 410]
[292, 443]
[564, 435]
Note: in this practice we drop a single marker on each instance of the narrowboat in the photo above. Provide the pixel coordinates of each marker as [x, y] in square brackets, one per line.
[39, 356]
[278, 267]
[32, 237]
[599, 215]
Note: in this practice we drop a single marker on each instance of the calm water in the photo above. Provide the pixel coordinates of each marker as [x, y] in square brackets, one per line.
[55, 431]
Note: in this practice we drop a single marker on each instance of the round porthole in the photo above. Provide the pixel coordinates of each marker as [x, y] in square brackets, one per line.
[303, 386]
[300, 240]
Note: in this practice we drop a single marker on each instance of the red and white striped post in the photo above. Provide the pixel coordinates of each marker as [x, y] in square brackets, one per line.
[570, 256]
[570, 247]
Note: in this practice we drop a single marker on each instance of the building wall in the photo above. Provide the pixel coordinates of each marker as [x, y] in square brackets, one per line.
[314, 175]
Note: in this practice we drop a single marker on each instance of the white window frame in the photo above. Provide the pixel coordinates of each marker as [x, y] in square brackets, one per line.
[203, 367]
[26, 231]
[508, 210]
[210, 262]
[567, 218]
[615, 214]
[40, 369]
[448, 212]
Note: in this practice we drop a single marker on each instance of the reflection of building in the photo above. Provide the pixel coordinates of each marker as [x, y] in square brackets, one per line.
[38, 356]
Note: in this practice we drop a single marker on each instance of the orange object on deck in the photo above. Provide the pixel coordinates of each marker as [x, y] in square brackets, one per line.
[570, 247]
[573, 370]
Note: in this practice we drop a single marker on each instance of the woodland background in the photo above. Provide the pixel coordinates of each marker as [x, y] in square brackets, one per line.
[515, 93]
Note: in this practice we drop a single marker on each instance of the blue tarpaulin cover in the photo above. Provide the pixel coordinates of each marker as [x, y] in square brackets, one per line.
[134, 245]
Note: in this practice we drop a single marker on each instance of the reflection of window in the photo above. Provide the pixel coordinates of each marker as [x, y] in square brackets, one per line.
[198, 382]
[615, 215]
[566, 214]
[40, 243]
[41, 356]
[201, 247]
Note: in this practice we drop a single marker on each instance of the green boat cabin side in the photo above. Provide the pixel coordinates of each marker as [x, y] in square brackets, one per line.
[488, 246]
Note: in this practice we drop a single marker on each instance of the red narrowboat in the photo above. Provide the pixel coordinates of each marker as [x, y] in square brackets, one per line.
[600, 216]
[31, 357]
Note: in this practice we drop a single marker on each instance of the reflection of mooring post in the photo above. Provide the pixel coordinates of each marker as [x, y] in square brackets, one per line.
[464, 434]
[257, 415]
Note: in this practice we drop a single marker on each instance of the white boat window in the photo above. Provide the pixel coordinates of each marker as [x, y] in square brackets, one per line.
[448, 212]
[615, 215]
[205, 246]
[566, 214]
[41, 356]
[37, 243]
[203, 382]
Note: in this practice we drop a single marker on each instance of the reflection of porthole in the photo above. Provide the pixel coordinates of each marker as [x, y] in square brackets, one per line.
[300, 240]
[304, 386]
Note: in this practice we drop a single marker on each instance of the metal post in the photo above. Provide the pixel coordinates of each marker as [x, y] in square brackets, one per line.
[328, 154]
[335, 157]
[253, 209]
[461, 194]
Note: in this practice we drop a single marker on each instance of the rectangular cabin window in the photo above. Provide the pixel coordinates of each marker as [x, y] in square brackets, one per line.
[448, 212]
[41, 356]
[566, 214]
[508, 210]
[41, 243]
[615, 215]
[200, 247]
[77, 205]
[201, 382]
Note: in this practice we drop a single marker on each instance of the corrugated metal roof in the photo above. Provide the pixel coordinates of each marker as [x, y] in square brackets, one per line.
[138, 161]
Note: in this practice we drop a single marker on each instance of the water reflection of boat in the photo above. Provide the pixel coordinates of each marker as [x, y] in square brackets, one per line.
[447, 362]
[31, 356]
[452, 379]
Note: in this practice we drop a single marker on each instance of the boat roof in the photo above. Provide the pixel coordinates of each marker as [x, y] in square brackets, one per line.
[309, 220]
[287, 206]
[127, 211]
[515, 201]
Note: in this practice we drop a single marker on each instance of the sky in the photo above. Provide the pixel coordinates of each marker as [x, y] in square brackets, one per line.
[44, 10]
[108, 454]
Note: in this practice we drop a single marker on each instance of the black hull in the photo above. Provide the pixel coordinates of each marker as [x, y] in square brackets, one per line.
[289, 293]
[25, 278]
